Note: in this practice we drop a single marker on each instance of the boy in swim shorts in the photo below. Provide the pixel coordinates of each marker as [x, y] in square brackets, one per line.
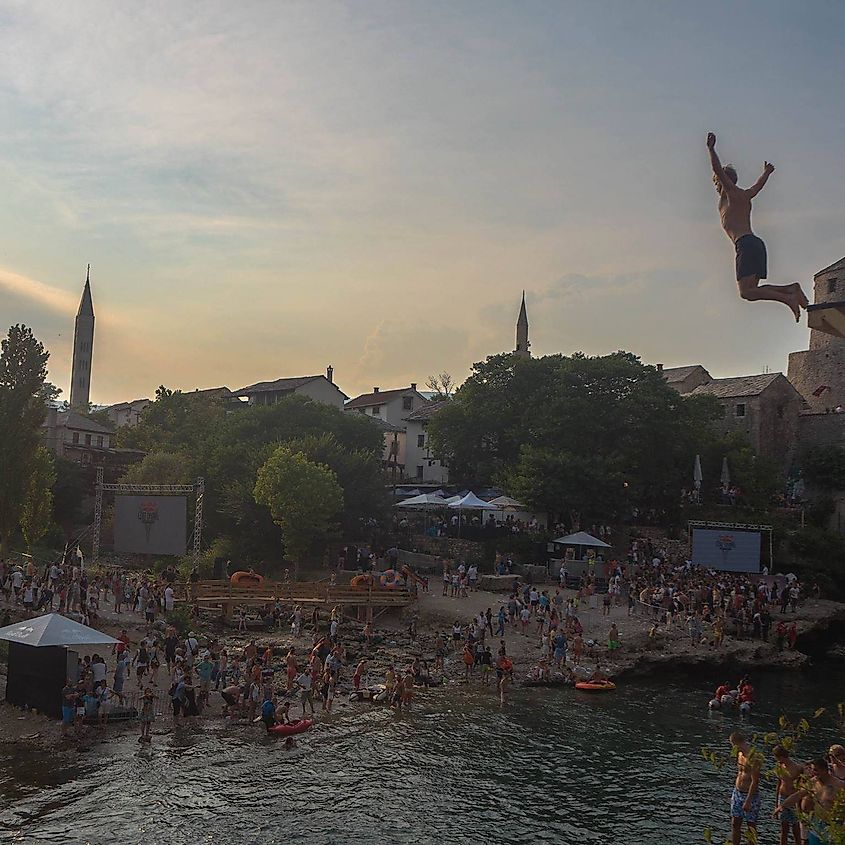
[735, 213]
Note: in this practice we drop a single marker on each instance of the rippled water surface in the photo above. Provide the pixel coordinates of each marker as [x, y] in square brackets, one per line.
[553, 766]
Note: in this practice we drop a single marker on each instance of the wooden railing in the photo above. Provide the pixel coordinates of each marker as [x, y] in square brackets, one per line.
[293, 592]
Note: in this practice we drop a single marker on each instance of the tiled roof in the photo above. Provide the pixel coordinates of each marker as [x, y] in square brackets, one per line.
[427, 411]
[838, 265]
[213, 392]
[367, 400]
[680, 373]
[384, 425]
[278, 384]
[730, 388]
[71, 419]
[121, 406]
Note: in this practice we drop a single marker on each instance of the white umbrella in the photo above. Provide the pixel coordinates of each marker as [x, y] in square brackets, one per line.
[725, 477]
[697, 477]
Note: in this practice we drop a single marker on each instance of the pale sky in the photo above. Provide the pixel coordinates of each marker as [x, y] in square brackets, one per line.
[265, 188]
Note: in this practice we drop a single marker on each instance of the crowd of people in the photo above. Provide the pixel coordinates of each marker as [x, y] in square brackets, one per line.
[69, 589]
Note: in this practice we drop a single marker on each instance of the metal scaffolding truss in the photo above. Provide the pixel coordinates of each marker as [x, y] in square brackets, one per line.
[148, 490]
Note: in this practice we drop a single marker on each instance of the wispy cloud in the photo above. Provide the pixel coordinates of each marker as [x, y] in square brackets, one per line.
[49, 296]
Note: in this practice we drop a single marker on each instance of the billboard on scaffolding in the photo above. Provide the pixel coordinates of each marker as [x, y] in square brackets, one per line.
[154, 525]
[726, 549]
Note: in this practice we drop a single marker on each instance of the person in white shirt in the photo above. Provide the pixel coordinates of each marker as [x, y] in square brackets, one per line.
[168, 599]
[191, 649]
[306, 695]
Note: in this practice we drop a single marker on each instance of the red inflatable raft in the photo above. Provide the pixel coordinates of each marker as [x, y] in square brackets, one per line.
[294, 728]
[595, 686]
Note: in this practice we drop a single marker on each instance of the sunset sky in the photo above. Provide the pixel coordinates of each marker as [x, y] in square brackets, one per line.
[263, 189]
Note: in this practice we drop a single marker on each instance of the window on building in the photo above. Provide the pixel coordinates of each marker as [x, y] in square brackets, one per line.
[831, 285]
[740, 409]
[407, 403]
[376, 410]
[419, 472]
[99, 439]
[87, 439]
[75, 437]
[420, 441]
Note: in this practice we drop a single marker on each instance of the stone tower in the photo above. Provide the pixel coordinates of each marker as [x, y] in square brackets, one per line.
[83, 350]
[818, 373]
[523, 345]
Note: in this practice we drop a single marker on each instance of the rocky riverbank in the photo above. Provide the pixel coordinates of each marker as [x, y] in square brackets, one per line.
[820, 624]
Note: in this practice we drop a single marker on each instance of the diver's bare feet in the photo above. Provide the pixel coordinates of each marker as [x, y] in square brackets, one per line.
[802, 297]
[795, 303]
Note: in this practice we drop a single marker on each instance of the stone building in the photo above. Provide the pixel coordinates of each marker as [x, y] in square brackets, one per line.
[319, 388]
[685, 379]
[765, 408]
[818, 373]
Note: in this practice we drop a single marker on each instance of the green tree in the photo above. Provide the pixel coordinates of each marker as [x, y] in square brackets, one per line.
[824, 468]
[37, 511]
[227, 443]
[160, 468]
[304, 499]
[756, 478]
[23, 371]
[70, 489]
[600, 434]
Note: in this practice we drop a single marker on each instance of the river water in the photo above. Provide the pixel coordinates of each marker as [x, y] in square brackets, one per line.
[552, 766]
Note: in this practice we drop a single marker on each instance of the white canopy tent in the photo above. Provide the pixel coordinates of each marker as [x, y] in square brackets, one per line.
[472, 502]
[422, 502]
[507, 503]
[582, 538]
[53, 629]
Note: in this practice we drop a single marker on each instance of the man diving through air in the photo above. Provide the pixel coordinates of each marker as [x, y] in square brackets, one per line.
[735, 211]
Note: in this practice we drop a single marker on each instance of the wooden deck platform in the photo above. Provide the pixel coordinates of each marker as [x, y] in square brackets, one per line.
[828, 317]
[307, 593]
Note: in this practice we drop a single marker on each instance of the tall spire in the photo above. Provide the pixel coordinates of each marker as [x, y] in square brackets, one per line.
[86, 305]
[523, 345]
[83, 349]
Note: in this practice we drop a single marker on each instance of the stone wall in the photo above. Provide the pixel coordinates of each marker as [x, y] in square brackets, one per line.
[819, 370]
[821, 430]
[770, 422]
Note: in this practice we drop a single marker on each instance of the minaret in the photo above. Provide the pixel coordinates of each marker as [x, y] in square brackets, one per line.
[83, 349]
[523, 345]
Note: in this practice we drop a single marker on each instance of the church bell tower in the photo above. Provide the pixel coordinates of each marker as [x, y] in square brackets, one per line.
[83, 350]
